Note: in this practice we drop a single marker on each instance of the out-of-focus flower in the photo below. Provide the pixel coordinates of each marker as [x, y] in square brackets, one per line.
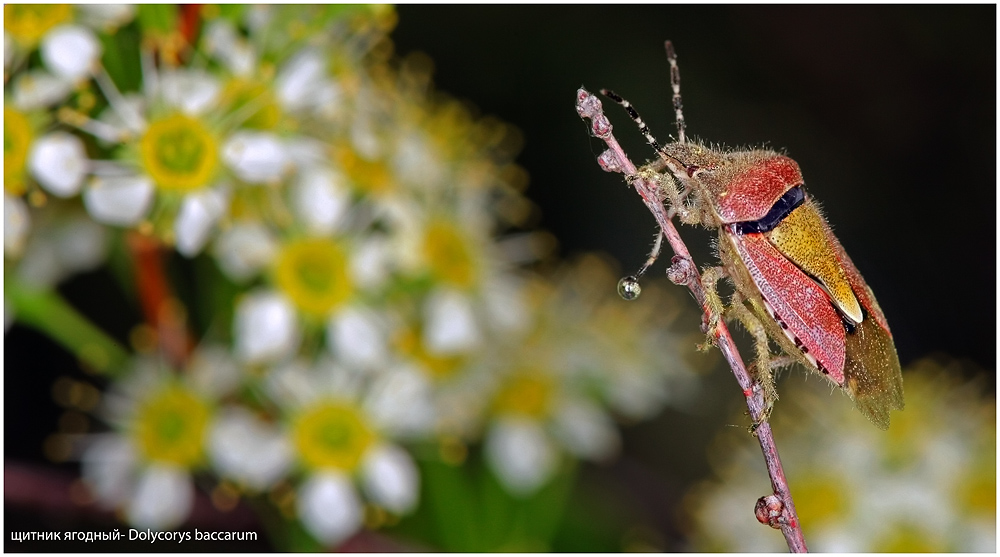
[928, 484]
[162, 427]
[335, 438]
[65, 34]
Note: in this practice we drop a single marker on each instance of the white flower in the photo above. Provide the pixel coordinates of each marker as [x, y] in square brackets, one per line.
[248, 450]
[223, 43]
[163, 498]
[329, 507]
[450, 324]
[213, 371]
[266, 329]
[256, 157]
[399, 402]
[390, 478]
[105, 16]
[199, 213]
[59, 163]
[108, 466]
[301, 83]
[16, 224]
[71, 51]
[320, 198]
[119, 200]
[586, 430]
[38, 89]
[356, 337]
[371, 263]
[520, 453]
[193, 91]
[245, 249]
[63, 245]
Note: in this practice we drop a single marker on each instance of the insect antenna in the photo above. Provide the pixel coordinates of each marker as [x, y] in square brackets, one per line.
[643, 128]
[675, 84]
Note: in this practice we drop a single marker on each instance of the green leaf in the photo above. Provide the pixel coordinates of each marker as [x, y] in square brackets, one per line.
[45, 310]
[158, 18]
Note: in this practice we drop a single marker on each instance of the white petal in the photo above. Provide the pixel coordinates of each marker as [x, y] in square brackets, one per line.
[119, 200]
[637, 394]
[71, 51]
[105, 16]
[292, 384]
[80, 243]
[248, 450]
[520, 454]
[417, 161]
[400, 403]
[329, 508]
[38, 89]
[321, 199]
[108, 466]
[450, 324]
[256, 157]
[306, 151]
[163, 498]
[266, 328]
[299, 78]
[370, 263]
[390, 478]
[193, 91]
[505, 304]
[222, 42]
[59, 163]
[586, 430]
[8, 50]
[356, 337]
[16, 224]
[213, 371]
[244, 249]
[198, 215]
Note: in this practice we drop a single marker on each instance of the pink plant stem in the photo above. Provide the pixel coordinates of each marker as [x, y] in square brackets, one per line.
[685, 272]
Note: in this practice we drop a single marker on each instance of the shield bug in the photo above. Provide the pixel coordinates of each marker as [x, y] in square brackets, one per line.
[793, 282]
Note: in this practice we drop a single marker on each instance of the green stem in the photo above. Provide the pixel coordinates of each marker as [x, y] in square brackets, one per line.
[46, 311]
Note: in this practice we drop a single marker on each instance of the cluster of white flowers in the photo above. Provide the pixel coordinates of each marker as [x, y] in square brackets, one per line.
[357, 213]
[927, 485]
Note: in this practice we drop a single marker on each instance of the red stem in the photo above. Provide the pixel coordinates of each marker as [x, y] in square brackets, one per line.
[685, 272]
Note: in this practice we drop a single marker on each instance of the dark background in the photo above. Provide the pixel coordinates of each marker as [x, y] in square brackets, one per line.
[889, 111]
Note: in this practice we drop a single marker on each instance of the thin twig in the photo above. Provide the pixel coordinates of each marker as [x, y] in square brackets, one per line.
[777, 510]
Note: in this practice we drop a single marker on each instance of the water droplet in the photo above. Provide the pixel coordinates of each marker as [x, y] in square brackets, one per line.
[628, 288]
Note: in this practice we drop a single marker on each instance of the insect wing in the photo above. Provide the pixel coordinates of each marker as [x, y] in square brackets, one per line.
[871, 369]
[796, 302]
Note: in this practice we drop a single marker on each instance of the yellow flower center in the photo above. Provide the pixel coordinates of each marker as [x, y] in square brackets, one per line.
[17, 139]
[449, 255]
[907, 538]
[820, 499]
[28, 23]
[332, 435]
[528, 392]
[170, 427]
[439, 367]
[314, 274]
[371, 177]
[179, 153]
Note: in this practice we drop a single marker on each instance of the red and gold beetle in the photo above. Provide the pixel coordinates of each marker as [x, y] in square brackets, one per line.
[794, 283]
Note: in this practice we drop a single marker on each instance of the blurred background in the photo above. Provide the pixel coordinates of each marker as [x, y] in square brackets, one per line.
[889, 111]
